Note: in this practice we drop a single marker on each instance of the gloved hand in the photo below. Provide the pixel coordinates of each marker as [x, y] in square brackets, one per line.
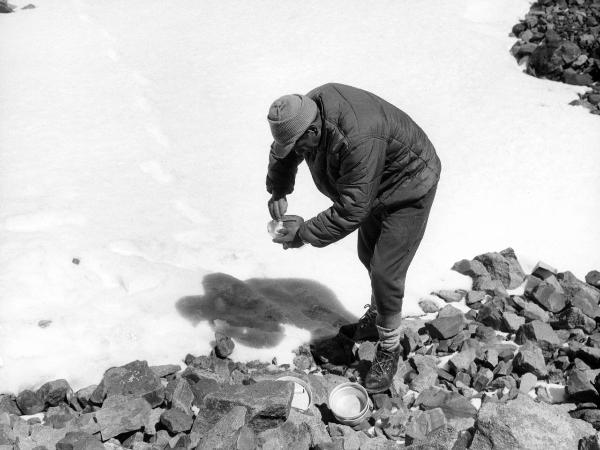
[289, 237]
[277, 206]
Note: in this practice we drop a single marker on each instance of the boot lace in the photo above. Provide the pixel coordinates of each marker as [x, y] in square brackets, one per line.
[368, 318]
[383, 362]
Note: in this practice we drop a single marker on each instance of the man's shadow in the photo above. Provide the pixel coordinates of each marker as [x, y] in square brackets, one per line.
[253, 311]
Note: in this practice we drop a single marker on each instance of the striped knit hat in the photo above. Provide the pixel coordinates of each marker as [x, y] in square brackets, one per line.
[289, 117]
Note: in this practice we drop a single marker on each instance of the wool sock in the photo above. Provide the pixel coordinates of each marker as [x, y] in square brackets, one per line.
[389, 338]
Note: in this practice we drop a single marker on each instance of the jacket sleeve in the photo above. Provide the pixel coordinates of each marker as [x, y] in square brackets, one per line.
[361, 168]
[281, 173]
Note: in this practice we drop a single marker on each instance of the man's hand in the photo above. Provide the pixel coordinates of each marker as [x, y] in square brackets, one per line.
[288, 236]
[277, 206]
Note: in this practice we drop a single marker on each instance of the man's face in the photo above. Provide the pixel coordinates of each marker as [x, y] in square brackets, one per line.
[308, 142]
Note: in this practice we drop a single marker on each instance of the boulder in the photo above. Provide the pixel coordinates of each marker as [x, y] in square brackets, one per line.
[165, 370]
[511, 322]
[573, 286]
[8, 404]
[422, 423]
[591, 416]
[134, 379]
[176, 421]
[530, 359]
[549, 297]
[593, 278]
[452, 404]
[182, 396]
[30, 403]
[503, 267]
[268, 402]
[448, 323]
[55, 392]
[428, 306]
[79, 441]
[573, 317]
[128, 414]
[475, 297]
[473, 268]
[83, 395]
[522, 423]
[461, 361]
[539, 332]
[543, 270]
[490, 315]
[579, 386]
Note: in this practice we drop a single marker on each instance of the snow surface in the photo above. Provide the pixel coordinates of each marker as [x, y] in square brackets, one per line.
[133, 137]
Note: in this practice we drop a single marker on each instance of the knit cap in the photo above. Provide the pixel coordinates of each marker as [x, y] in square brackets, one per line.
[289, 117]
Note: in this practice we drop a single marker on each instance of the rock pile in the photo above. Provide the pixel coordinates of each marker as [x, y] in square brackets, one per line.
[560, 40]
[512, 363]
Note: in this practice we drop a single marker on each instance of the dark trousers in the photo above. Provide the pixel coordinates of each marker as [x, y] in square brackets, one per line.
[387, 243]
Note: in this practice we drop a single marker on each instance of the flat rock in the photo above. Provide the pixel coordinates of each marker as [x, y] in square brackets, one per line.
[522, 423]
[134, 379]
[129, 415]
[530, 359]
[165, 370]
[450, 296]
[448, 323]
[452, 404]
[268, 402]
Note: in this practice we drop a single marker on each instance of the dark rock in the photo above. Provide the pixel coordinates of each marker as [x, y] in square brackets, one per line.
[30, 403]
[543, 270]
[591, 416]
[574, 286]
[573, 317]
[530, 359]
[224, 345]
[531, 311]
[549, 297]
[134, 379]
[504, 267]
[589, 443]
[511, 322]
[593, 277]
[447, 324]
[590, 355]
[539, 332]
[5, 7]
[503, 382]
[176, 421]
[485, 334]
[571, 76]
[126, 414]
[489, 286]
[268, 402]
[580, 388]
[55, 392]
[525, 424]
[32, 6]
[549, 58]
[490, 315]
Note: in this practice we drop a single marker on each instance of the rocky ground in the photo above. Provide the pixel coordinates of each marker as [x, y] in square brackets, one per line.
[560, 40]
[513, 363]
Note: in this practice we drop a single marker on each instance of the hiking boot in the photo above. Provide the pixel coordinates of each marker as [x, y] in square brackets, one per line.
[363, 330]
[384, 367]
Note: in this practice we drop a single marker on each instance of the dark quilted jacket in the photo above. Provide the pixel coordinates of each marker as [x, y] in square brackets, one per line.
[371, 156]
